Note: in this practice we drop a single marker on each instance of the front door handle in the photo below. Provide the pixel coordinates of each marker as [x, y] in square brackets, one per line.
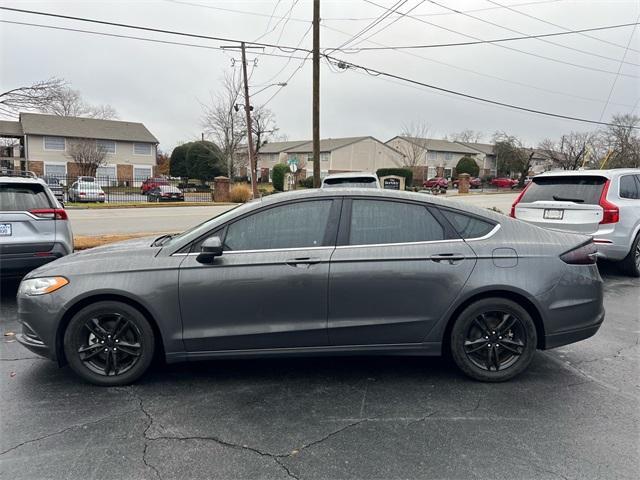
[302, 261]
[451, 258]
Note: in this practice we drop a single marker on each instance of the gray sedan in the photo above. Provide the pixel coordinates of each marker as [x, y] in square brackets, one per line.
[319, 272]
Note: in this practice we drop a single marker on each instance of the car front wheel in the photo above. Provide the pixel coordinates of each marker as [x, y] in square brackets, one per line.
[493, 340]
[109, 343]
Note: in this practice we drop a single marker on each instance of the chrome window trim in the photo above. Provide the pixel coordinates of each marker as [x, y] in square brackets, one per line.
[233, 252]
[484, 237]
[400, 244]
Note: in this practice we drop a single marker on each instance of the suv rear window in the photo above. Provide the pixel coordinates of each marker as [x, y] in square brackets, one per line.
[22, 197]
[580, 189]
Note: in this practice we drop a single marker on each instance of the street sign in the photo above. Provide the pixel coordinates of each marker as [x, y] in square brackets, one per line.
[293, 167]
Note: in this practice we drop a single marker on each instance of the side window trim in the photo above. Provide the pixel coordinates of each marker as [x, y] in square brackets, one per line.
[344, 233]
[468, 214]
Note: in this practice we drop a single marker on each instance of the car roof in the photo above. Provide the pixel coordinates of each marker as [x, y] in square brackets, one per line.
[608, 173]
[351, 175]
[10, 179]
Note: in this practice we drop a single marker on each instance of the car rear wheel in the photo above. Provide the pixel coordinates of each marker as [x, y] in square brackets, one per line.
[631, 263]
[109, 343]
[493, 340]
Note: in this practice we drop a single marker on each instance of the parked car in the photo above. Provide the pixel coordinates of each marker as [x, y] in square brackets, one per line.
[504, 182]
[86, 192]
[351, 179]
[151, 183]
[34, 228]
[436, 184]
[341, 271]
[474, 182]
[604, 204]
[165, 193]
[54, 185]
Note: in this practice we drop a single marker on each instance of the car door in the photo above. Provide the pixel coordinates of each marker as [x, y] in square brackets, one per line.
[269, 287]
[397, 268]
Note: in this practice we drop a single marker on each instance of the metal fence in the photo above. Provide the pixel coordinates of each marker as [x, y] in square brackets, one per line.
[88, 189]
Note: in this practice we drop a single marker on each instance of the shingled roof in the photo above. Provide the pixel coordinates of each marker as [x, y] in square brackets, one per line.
[80, 127]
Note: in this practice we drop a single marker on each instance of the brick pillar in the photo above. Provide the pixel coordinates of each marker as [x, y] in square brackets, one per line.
[221, 189]
[463, 183]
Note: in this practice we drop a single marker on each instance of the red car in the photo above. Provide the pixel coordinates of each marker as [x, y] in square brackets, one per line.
[504, 182]
[436, 182]
[474, 182]
[151, 183]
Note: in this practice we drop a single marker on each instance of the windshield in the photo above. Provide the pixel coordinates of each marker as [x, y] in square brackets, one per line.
[351, 182]
[575, 188]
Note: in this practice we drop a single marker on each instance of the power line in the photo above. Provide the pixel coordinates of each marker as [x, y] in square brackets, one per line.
[389, 24]
[479, 42]
[387, 12]
[563, 62]
[340, 63]
[613, 84]
[510, 7]
[291, 57]
[494, 24]
[376, 72]
[267, 31]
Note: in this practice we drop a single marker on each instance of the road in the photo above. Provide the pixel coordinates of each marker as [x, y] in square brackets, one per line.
[573, 415]
[176, 219]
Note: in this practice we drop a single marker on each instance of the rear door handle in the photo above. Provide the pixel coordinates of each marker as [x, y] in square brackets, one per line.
[302, 261]
[450, 258]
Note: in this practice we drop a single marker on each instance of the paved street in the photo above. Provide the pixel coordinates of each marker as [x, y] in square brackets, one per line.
[176, 219]
[574, 415]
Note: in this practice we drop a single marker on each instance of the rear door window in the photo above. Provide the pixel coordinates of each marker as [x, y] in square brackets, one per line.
[630, 187]
[376, 222]
[575, 188]
[23, 197]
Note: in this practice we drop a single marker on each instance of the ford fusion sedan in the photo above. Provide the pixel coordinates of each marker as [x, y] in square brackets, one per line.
[319, 272]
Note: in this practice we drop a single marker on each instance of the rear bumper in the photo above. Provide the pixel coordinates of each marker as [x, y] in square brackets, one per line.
[573, 336]
[14, 265]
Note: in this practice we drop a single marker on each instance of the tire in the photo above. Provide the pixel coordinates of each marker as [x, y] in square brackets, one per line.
[475, 332]
[631, 263]
[127, 353]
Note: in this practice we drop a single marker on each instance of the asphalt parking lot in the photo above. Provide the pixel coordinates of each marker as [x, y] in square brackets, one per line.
[574, 414]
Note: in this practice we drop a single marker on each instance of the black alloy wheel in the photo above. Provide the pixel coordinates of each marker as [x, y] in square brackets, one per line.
[109, 343]
[493, 340]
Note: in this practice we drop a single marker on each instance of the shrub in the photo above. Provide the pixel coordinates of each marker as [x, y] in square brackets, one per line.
[407, 173]
[306, 182]
[277, 176]
[240, 193]
[467, 165]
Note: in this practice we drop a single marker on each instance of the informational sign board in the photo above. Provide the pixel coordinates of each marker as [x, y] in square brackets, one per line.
[392, 182]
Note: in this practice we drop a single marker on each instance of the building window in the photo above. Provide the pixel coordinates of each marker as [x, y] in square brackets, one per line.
[106, 176]
[142, 149]
[433, 155]
[55, 170]
[107, 146]
[448, 156]
[325, 156]
[54, 143]
[447, 172]
[140, 174]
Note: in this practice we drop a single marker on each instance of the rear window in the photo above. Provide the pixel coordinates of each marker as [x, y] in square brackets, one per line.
[580, 189]
[15, 197]
[357, 182]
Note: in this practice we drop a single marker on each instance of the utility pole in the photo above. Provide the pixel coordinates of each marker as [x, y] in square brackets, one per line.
[316, 93]
[247, 109]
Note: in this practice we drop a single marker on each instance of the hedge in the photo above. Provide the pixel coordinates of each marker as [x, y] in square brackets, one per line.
[467, 165]
[277, 176]
[407, 173]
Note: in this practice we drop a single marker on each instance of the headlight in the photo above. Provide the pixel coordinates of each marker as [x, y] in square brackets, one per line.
[40, 286]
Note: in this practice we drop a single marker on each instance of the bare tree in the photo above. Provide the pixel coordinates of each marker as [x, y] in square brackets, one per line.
[36, 97]
[467, 135]
[69, 103]
[264, 126]
[223, 122]
[87, 154]
[512, 156]
[622, 142]
[414, 150]
[570, 152]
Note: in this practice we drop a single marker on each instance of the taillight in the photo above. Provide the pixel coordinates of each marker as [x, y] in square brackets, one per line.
[518, 198]
[610, 211]
[585, 254]
[50, 213]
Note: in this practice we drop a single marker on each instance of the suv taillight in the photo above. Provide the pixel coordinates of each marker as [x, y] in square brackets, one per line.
[610, 211]
[518, 198]
[585, 254]
[50, 213]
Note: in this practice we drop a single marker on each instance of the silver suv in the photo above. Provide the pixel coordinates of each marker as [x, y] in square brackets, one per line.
[602, 203]
[34, 228]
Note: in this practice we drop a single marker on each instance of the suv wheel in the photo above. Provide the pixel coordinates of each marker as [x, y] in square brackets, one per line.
[493, 340]
[631, 263]
[109, 343]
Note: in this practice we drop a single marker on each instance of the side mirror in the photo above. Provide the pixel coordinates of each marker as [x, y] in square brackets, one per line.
[211, 248]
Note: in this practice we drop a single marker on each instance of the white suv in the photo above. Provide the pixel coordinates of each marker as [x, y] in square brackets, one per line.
[602, 203]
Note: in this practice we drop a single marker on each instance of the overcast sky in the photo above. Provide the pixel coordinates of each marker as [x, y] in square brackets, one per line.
[162, 85]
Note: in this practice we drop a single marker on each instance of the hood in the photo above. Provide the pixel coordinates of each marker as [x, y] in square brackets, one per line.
[117, 256]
